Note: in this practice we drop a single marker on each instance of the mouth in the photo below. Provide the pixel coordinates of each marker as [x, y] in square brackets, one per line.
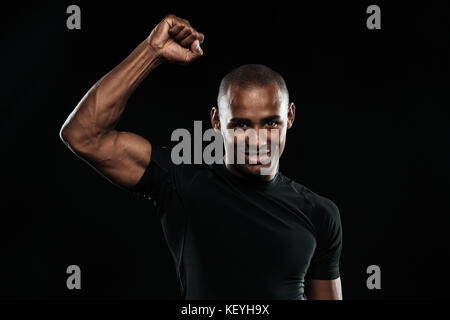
[253, 158]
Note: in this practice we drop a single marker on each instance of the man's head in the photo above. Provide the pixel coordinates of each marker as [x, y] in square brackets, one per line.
[254, 99]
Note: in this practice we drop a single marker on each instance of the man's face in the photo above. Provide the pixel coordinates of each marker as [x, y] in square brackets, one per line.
[253, 124]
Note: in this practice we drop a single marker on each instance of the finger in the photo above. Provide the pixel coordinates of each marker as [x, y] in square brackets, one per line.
[175, 30]
[172, 21]
[185, 21]
[187, 31]
[186, 42]
[201, 37]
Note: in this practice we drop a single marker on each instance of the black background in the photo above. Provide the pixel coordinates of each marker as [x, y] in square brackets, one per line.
[371, 133]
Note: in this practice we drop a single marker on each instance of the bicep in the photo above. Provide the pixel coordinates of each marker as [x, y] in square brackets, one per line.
[120, 157]
[323, 289]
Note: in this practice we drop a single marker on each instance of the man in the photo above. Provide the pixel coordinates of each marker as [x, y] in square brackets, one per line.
[234, 232]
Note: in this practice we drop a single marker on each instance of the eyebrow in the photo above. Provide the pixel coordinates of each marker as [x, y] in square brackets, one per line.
[269, 118]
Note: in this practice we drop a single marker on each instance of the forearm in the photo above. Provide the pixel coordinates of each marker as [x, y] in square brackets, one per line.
[101, 108]
[89, 131]
[324, 289]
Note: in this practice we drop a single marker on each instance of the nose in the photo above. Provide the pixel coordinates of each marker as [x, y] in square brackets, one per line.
[257, 140]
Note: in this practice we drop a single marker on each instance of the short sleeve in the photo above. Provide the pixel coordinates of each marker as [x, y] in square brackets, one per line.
[160, 179]
[324, 264]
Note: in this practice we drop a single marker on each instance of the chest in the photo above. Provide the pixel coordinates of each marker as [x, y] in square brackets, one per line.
[227, 223]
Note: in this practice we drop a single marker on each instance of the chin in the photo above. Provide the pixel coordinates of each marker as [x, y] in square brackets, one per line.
[253, 170]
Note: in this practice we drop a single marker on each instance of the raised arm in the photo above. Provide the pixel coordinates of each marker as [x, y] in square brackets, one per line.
[89, 131]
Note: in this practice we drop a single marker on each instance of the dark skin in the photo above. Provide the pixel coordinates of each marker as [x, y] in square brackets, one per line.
[122, 157]
[259, 108]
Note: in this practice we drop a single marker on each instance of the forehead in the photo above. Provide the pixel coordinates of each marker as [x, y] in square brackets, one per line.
[254, 102]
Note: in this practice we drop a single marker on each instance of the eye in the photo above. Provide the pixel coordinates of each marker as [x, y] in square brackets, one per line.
[241, 124]
[272, 123]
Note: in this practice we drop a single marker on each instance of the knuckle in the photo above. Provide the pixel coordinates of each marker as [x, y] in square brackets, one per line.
[186, 33]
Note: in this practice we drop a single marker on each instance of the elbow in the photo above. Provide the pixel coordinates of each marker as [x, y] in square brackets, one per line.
[63, 134]
[72, 138]
[68, 136]
[79, 140]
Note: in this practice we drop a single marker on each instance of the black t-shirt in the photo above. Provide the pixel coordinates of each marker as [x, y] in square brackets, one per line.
[232, 238]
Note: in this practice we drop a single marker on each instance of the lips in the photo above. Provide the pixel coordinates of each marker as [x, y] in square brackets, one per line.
[255, 158]
[256, 154]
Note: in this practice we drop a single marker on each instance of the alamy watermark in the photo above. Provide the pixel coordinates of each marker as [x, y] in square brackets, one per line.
[374, 280]
[74, 20]
[374, 20]
[74, 280]
[249, 146]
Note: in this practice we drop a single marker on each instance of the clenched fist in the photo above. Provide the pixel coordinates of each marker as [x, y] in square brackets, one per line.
[175, 40]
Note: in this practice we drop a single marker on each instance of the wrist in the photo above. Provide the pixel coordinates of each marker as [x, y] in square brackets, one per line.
[154, 53]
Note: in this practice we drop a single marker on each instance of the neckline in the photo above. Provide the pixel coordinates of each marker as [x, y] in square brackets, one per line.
[260, 184]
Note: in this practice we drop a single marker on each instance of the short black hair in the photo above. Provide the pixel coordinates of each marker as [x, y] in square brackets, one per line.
[249, 76]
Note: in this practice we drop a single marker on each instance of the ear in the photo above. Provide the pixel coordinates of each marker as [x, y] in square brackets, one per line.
[291, 115]
[215, 119]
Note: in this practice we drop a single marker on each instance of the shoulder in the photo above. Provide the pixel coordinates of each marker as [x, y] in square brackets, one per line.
[321, 207]
[178, 172]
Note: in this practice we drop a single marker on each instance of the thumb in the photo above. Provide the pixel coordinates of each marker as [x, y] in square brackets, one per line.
[195, 51]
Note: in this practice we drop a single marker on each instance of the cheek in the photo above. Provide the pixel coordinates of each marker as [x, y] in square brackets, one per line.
[228, 137]
[277, 140]
[277, 136]
[231, 136]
